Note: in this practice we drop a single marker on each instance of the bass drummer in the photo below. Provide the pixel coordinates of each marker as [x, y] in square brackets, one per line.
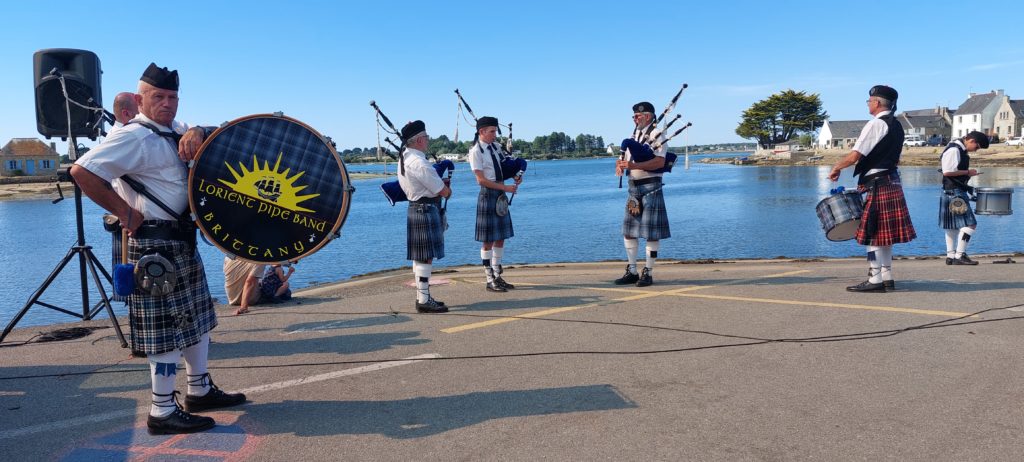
[955, 216]
[176, 322]
[886, 220]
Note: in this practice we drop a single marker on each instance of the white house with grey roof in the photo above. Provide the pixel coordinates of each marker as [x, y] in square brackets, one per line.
[977, 113]
[840, 134]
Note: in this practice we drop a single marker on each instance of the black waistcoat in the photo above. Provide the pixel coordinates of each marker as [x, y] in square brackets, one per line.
[886, 154]
[957, 182]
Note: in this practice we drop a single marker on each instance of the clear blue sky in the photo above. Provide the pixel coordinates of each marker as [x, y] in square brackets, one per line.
[574, 67]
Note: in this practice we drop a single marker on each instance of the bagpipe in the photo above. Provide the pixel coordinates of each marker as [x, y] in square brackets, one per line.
[394, 192]
[646, 141]
[392, 189]
[511, 166]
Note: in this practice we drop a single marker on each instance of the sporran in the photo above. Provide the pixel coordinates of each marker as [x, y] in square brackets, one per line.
[958, 206]
[501, 206]
[633, 206]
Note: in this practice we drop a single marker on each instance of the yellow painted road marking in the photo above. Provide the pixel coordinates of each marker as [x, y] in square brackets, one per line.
[825, 304]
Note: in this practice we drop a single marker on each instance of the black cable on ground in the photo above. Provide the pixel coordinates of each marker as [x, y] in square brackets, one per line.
[959, 321]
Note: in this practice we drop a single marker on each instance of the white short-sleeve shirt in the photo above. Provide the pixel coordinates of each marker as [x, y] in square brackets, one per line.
[480, 159]
[951, 157]
[147, 157]
[420, 179]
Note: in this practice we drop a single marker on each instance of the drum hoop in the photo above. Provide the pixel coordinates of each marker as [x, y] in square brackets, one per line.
[347, 188]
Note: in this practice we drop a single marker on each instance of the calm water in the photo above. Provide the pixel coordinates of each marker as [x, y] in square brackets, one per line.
[567, 211]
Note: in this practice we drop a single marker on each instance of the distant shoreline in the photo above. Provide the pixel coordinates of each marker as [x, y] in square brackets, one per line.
[996, 156]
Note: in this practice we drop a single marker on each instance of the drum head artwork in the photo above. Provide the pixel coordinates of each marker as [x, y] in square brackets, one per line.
[267, 188]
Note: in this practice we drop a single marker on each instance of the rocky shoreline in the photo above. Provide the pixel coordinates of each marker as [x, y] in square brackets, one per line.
[996, 156]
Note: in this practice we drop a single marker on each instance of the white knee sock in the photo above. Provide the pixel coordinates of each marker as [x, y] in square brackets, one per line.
[496, 254]
[163, 369]
[884, 255]
[485, 259]
[652, 253]
[421, 271]
[951, 242]
[965, 238]
[632, 246]
[875, 265]
[195, 366]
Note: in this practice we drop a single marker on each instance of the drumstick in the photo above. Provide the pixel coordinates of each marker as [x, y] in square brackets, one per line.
[124, 245]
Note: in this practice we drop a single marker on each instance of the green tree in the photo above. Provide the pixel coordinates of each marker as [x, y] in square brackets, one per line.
[782, 116]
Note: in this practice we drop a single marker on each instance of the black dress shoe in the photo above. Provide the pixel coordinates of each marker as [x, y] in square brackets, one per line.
[949, 261]
[431, 306]
[214, 399]
[494, 287]
[889, 285]
[645, 278]
[964, 260]
[867, 286]
[498, 281]
[178, 422]
[628, 278]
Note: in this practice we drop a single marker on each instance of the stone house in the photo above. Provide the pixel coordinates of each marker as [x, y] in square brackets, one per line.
[978, 112]
[927, 122]
[1009, 118]
[840, 134]
[28, 156]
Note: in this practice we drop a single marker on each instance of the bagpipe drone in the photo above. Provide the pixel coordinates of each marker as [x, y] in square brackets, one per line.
[646, 141]
[511, 166]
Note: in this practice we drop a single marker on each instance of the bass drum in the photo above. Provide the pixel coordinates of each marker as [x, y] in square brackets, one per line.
[267, 188]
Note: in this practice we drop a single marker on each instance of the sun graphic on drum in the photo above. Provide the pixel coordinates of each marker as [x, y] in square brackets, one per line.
[269, 184]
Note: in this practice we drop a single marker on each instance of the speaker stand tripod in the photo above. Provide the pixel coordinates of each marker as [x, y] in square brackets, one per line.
[86, 261]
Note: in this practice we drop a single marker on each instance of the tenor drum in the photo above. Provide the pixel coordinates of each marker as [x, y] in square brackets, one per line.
[993, 201]
[267, 188]
[840, 215]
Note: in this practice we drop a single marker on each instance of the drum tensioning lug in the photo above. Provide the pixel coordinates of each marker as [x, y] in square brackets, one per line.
[331, 142]
[223, 124]
[278, 114]
[350, 189]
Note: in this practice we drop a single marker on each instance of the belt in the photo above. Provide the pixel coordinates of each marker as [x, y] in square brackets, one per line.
[653, 179]
[166, 230]
[427, 200]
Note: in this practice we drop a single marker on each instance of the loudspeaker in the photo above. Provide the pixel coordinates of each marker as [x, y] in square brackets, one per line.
[81, 72]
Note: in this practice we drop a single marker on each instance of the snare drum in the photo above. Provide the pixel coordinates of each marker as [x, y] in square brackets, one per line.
[993, 201]
[840, 215]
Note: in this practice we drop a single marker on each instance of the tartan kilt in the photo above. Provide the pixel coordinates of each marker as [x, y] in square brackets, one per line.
[489, 226]
[175, 321]
[946, 218]
[894, 225]
[424, 232]
[652, 224]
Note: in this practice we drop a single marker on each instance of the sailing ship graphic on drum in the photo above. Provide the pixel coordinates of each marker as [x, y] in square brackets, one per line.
[269, 189]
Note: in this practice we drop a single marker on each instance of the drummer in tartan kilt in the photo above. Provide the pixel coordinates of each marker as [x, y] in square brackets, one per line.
[645, 216]
[886, 220]
[959, 222]
[424, 225]
[493, 221]
[175, 320]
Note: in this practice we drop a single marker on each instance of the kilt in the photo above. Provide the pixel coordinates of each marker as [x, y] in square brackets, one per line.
[178, 320]
[424, 232]
[652, 224]
[489, 226]
[894, 225]
[946, 218]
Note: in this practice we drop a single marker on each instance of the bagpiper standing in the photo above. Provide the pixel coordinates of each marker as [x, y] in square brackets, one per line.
[424, 225]
[493, 222]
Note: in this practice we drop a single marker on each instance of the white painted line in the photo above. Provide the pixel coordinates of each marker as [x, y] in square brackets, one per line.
[142, 410]
[337, 374]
